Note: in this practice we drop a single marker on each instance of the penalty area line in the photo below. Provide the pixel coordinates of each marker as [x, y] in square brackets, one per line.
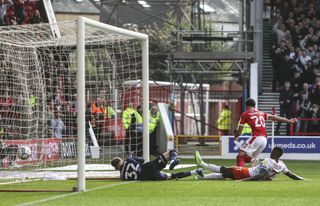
[74, 193]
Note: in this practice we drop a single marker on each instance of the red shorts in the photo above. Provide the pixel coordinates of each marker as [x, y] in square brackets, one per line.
[240, 173]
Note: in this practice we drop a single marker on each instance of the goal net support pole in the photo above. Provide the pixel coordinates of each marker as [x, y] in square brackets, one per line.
[82, 23]
[272, 130]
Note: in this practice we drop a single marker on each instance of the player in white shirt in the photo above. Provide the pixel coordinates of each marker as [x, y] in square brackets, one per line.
[265, 170]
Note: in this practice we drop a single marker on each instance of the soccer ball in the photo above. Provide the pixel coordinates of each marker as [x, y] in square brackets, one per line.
[24, 152]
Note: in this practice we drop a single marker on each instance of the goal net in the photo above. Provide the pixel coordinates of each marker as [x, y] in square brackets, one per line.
[63, 97]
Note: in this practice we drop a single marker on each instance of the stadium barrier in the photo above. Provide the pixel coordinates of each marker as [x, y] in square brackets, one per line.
[42, 150]
[295, 148]
[307, 127]
[45, 150]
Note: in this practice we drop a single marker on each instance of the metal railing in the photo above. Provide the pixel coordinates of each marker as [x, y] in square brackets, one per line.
[214, 40]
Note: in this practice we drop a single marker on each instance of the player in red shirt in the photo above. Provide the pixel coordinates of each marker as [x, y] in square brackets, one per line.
[251, 149]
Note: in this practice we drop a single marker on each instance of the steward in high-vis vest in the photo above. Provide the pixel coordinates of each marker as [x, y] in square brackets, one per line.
[109, 112]
[154, 119]
[132, 122]
[224, 121]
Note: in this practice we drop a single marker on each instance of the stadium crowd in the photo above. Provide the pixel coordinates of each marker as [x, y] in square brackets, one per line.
[296, 61]
[13, 12]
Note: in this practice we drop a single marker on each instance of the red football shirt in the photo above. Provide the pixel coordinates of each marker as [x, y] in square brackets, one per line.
[256, 120]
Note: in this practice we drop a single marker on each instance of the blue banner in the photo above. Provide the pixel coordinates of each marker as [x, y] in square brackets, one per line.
[290, 144]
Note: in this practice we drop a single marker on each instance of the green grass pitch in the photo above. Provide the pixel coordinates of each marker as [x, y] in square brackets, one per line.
[281, 191]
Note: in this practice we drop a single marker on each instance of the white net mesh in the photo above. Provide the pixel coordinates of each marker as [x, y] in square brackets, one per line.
[38, 95]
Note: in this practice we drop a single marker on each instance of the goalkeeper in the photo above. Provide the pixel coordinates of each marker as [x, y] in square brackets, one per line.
[265, 170]
[134, 168]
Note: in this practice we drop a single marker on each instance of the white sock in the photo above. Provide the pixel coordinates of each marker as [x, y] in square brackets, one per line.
[212, 167]
[213, 176]
[193, 172]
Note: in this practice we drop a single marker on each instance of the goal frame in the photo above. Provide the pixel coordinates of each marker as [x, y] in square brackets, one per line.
[82, 22]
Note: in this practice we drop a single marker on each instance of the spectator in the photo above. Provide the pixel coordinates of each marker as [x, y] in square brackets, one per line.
[98, 108]
[224, 121]
[279, 30]
[314, 54]
[314, 85]
[297, 63]
[304, 58]
[36, 18]
[285, 99]
[69, 119]
[285, 70]
[305, 89]
[296, 35]
[315, 94]
[19, 10]
[49, 88]
[308, 73]
[303, 107]
[4, 5]
[57, 126]
[296, 83]
[315, 115]
[62, 70]
[51, 65]
[99, 117]
[276, 62]
[59, 97]
[284, 46]
[292, 53]
[313, 40]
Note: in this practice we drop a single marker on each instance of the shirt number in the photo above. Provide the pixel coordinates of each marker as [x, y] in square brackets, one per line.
[132, 174]
[259, 121]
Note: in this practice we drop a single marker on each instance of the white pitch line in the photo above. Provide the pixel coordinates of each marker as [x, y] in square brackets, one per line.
[18, 182]
[74, 193]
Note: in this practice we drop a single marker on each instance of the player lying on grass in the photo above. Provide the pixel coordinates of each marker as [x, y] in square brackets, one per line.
[134, 168]
[265, 170]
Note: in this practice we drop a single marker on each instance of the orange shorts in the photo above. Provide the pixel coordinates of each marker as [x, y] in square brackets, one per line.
[240, 172]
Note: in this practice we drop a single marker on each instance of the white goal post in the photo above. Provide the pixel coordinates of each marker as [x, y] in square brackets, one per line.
[82, 23]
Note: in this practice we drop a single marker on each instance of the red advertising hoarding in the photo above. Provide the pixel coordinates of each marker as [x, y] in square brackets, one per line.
[42, 150]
